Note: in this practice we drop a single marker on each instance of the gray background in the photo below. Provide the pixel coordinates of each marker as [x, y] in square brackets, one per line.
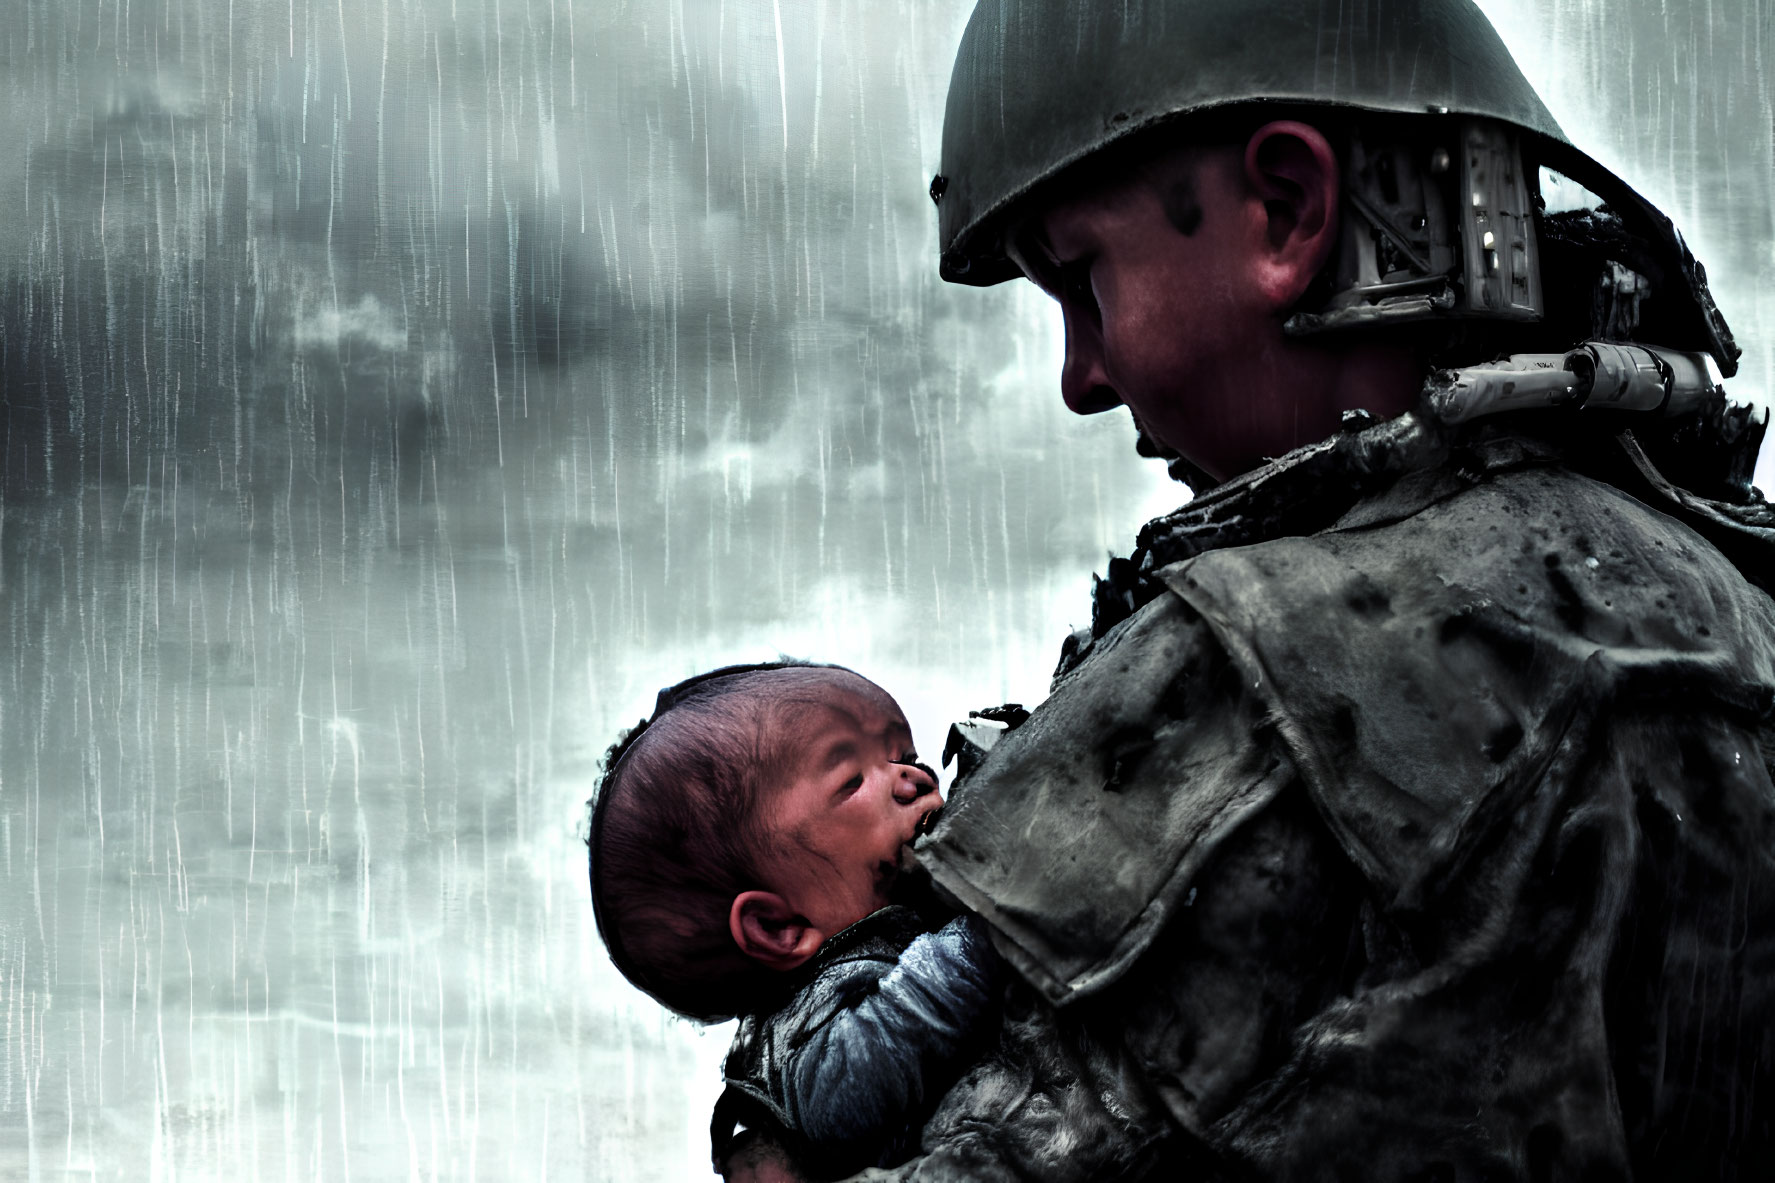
[397, 392]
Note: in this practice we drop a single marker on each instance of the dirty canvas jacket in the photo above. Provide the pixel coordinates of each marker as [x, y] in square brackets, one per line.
[1419, 827]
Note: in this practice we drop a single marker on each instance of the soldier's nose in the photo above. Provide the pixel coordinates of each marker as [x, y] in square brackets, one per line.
[1084, 382]
[1094, 400]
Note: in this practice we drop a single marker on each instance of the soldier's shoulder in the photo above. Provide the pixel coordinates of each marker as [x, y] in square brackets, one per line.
[1447, 648]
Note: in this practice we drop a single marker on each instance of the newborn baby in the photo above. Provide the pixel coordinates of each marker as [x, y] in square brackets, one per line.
[745, 842]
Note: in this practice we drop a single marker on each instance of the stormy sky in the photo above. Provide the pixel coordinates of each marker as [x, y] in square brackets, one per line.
[398, 392]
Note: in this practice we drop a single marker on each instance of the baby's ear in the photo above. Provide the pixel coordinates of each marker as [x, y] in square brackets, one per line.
[770, 932]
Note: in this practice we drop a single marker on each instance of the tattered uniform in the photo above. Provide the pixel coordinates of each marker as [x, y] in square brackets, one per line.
[1415, 824]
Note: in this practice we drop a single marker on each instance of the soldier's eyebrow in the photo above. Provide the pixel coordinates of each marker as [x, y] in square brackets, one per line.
[1028, 248]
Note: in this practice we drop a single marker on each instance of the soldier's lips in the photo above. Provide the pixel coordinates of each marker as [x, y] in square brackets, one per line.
[927, 823]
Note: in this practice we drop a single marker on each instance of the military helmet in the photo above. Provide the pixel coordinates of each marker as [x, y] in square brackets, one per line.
[1043, 86]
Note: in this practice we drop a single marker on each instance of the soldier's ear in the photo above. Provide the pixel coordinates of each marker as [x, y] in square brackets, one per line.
[771, 932]
[1293, 173]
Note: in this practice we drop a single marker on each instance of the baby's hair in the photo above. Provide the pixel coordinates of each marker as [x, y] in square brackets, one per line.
[676, 832]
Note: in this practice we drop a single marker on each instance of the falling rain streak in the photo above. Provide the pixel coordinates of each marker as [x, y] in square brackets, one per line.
[397, 392]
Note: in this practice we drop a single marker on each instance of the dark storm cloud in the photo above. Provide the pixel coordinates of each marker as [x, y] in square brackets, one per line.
[605, 231]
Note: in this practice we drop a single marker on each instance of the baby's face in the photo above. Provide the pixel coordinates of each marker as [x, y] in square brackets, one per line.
[840, 824]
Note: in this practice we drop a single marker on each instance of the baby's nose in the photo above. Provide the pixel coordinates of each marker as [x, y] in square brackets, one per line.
[914, 781]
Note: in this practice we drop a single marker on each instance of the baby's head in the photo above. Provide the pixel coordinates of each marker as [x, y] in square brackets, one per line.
[757, 813]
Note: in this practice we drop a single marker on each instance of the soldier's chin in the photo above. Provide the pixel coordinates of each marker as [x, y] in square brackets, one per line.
[1179, 468]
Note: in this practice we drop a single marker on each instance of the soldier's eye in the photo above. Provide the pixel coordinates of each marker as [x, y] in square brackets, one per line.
[853, 784]
[1075, 285]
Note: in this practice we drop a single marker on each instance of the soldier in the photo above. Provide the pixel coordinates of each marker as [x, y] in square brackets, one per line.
[1405, 814]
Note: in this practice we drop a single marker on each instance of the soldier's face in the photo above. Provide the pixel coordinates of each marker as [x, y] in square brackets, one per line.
[1169, 309]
